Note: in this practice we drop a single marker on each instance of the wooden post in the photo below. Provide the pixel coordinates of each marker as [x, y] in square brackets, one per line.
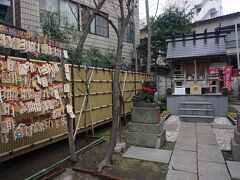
[68, 118]
[195, 70]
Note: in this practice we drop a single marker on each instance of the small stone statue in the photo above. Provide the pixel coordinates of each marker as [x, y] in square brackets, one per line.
[147, 92]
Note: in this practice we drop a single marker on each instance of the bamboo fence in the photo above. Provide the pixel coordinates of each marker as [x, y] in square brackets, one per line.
[101, 107]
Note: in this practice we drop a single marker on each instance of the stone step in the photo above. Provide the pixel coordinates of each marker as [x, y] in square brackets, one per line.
[196, 105]
[197, 113]
[196, 118]
[234, 167]
[197, 109]
[235, 150]
[235, 103]
[237, 136]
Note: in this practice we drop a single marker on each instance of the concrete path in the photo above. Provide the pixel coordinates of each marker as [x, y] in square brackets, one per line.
[196, 155]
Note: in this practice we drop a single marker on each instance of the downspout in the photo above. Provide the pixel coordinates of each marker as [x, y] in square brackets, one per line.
[13, 13]
[237, 47]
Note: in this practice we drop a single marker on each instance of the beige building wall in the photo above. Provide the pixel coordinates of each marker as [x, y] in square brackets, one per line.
[29, 13]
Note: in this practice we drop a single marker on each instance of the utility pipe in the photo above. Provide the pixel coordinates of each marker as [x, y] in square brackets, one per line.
[237, 47]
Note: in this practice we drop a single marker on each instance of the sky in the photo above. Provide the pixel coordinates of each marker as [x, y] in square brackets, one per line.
[229, 6]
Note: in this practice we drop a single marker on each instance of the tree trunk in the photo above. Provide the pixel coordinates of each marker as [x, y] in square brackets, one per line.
[69, 120]
[149, 38]
[116, 108]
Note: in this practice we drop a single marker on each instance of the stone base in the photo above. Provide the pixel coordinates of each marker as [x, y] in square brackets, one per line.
[237, 136]
[146, 140]
[235, 150]
[145, 128]
[145, 115]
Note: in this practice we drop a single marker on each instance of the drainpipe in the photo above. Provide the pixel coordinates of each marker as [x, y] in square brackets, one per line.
[237, 47]
[13, 12]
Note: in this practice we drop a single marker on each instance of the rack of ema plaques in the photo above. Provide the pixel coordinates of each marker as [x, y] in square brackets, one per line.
[31, 107]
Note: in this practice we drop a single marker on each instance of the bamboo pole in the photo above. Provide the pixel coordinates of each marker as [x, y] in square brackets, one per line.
[84, 100]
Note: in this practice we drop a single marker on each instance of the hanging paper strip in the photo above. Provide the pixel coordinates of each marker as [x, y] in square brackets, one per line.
[227, 78]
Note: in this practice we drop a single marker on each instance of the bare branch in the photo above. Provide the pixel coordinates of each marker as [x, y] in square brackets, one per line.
[87, 28]
[155, 12]
[130, 12]
[95, 3]
[121, 10]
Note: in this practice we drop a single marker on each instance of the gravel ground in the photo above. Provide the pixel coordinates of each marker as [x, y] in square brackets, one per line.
[223, 135]
[221, 121]
[172, 126]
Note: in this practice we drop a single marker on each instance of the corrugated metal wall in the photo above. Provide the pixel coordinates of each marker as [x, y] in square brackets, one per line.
[202, 47]
[101, 101]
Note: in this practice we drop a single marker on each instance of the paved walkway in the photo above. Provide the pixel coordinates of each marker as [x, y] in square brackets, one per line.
[196, 155]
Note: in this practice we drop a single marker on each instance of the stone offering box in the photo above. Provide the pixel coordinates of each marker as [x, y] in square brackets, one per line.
[145, 128]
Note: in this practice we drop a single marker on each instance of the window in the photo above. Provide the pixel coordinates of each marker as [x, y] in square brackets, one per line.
[46, 5]
[5, 11]
[128, 35]
[67, 13]
[100, 27]
[62, 8]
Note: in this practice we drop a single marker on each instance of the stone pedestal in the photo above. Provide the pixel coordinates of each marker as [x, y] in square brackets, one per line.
[235, 143]
[145, 128]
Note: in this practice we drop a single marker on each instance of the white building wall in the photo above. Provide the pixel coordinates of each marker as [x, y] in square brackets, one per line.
[204, 9]
[211, 25]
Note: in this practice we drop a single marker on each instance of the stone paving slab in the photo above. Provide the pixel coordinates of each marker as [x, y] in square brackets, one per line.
[148, 154]
[190, 127]
[204, 129]
[184, 161]
[188, 131]
[187, 134]
[203, 124]
[180, 175]
[212, 171]
[187, 144]
[210, 153]
[188, 124]
[234, 169]
[209, 139]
